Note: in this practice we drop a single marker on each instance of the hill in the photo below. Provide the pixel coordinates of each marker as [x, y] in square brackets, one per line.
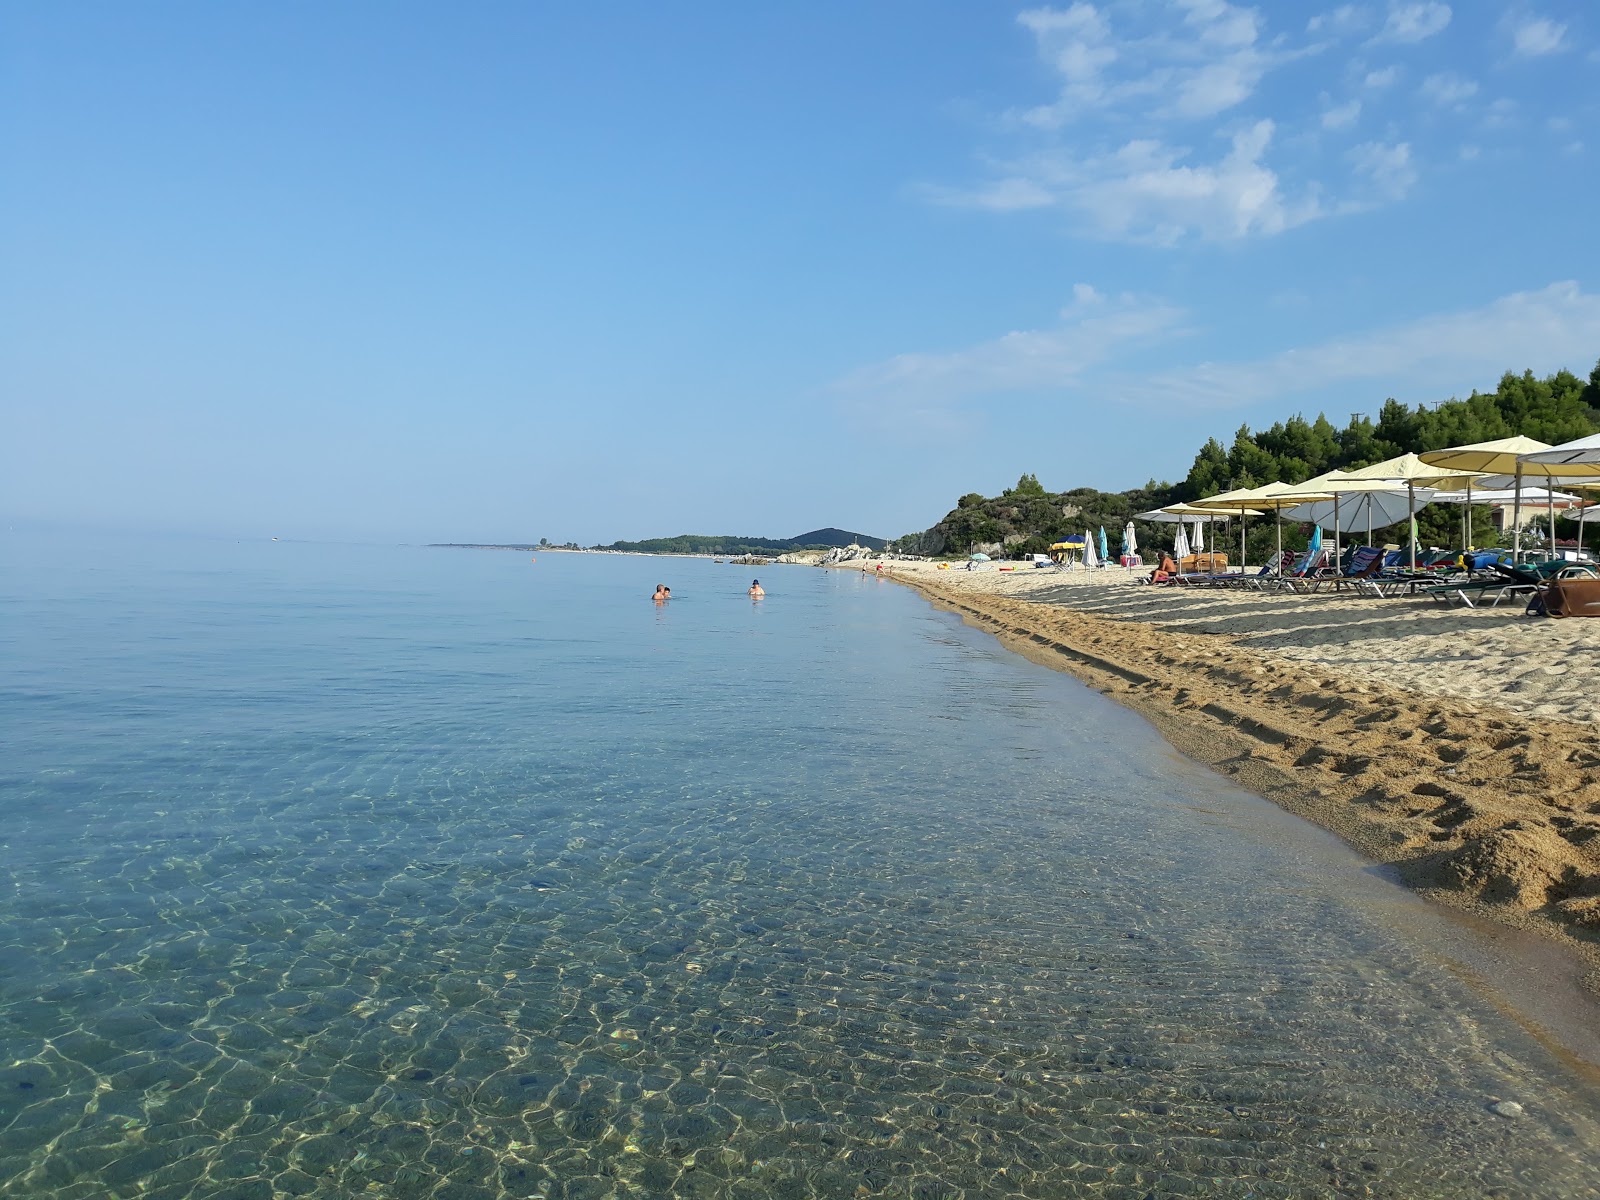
[699, 543]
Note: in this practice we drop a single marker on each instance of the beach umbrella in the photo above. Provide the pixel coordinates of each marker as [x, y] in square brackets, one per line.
[1198, 519]
[1105, 554]
[1089, 559]
[1414, 473]
[1499, 457]
[1315, 543]
[1273, 497]
[978, 558]
[1374, 501]
[1578, 464]
[1372, 509]
[1580, 456]
[1180, 544]
[1497, 491]
[1580, 515]
[1130, 543]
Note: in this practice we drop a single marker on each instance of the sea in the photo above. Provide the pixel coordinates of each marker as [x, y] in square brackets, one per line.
[392, 872]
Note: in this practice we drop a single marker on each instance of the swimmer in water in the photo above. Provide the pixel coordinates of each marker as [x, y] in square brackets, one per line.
[663, 593]
[755, 588]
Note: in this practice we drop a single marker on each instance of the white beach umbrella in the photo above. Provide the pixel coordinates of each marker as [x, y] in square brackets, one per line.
[1370, 509]
[1090, 558]
[1497, 491]
[1334, 491]
[1581, 516]
[1576, 455]
[1180, 544]
[1129, 541]
[1410, 470]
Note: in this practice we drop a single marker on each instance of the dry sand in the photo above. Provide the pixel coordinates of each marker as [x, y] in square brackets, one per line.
[1461, 746]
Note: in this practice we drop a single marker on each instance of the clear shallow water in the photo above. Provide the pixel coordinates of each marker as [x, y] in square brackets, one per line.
[344, 871]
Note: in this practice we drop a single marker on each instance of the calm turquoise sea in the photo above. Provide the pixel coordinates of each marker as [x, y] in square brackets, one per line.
[405, 872]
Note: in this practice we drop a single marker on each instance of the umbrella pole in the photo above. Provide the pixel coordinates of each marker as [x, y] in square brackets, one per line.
[1411, 504]
[1516, 520]
[1550, 514]
[1337, 558]
[1277, 520]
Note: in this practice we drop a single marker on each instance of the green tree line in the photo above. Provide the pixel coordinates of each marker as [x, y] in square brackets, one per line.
[1027, 518]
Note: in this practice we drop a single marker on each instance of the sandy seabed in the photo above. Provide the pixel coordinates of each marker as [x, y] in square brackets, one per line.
[1462, 746]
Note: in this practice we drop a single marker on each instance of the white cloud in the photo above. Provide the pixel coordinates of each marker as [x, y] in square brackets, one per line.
[1447, 90]
[1532, 36]
[1147, 191]
[1387, 167]
[1122, 146]
[1150, 68]
[1470, 152]
[1413, 22]
[1433, 357]
[1347, 18]
[1091, 331]
[1342, 115]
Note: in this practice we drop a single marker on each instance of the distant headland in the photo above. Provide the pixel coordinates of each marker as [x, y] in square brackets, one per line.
[696, 543]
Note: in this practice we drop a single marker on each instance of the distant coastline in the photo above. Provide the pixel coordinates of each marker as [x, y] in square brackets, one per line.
[695, 545]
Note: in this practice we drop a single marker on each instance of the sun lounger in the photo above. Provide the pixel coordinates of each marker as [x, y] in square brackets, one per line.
[1306, 574]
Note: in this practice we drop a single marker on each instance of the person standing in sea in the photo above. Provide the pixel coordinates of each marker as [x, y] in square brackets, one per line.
[756, 590]
[663, 594]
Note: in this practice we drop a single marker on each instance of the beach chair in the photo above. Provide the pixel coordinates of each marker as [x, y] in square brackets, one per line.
[1504, 581]
[1361, 562]
[1273, 567]
[1306, 572]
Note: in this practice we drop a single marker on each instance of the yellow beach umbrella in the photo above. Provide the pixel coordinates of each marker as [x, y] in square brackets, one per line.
[1272, 497]
[1517, 457]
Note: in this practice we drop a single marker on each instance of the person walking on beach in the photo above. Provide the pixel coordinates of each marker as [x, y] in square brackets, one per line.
[663, 593]
[756, 590]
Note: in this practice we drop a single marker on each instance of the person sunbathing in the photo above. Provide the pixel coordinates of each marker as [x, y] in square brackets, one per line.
[1165, 569]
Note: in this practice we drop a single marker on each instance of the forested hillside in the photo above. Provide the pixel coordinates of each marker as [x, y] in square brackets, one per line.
[1027, 518]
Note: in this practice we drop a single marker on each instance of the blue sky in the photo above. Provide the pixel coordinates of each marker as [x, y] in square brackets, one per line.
[423, 272]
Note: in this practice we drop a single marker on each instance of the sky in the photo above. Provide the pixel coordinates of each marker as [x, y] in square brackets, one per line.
[491, 272]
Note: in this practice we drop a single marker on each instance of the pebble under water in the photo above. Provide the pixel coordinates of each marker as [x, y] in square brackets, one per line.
[353, 871]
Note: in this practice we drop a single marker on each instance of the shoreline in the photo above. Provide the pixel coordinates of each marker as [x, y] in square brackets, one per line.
[1470, 804]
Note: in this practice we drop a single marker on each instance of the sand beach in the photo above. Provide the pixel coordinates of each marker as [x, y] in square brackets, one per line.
[1460, 746]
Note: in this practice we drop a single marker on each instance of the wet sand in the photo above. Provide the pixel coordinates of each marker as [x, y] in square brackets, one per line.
[1461, 747]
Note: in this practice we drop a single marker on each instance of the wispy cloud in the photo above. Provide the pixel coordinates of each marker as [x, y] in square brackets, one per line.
[1532, 37]
[1388, 168]
[1430, 358]
[1341, 116]
[1413, 22]
[1447, 90]
[1208, 59]
[1346, 19]
[939, 386]
[1150, 192]
[1089, 354]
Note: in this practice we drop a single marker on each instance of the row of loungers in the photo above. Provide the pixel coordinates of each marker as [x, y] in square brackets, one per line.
[1474, 579]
